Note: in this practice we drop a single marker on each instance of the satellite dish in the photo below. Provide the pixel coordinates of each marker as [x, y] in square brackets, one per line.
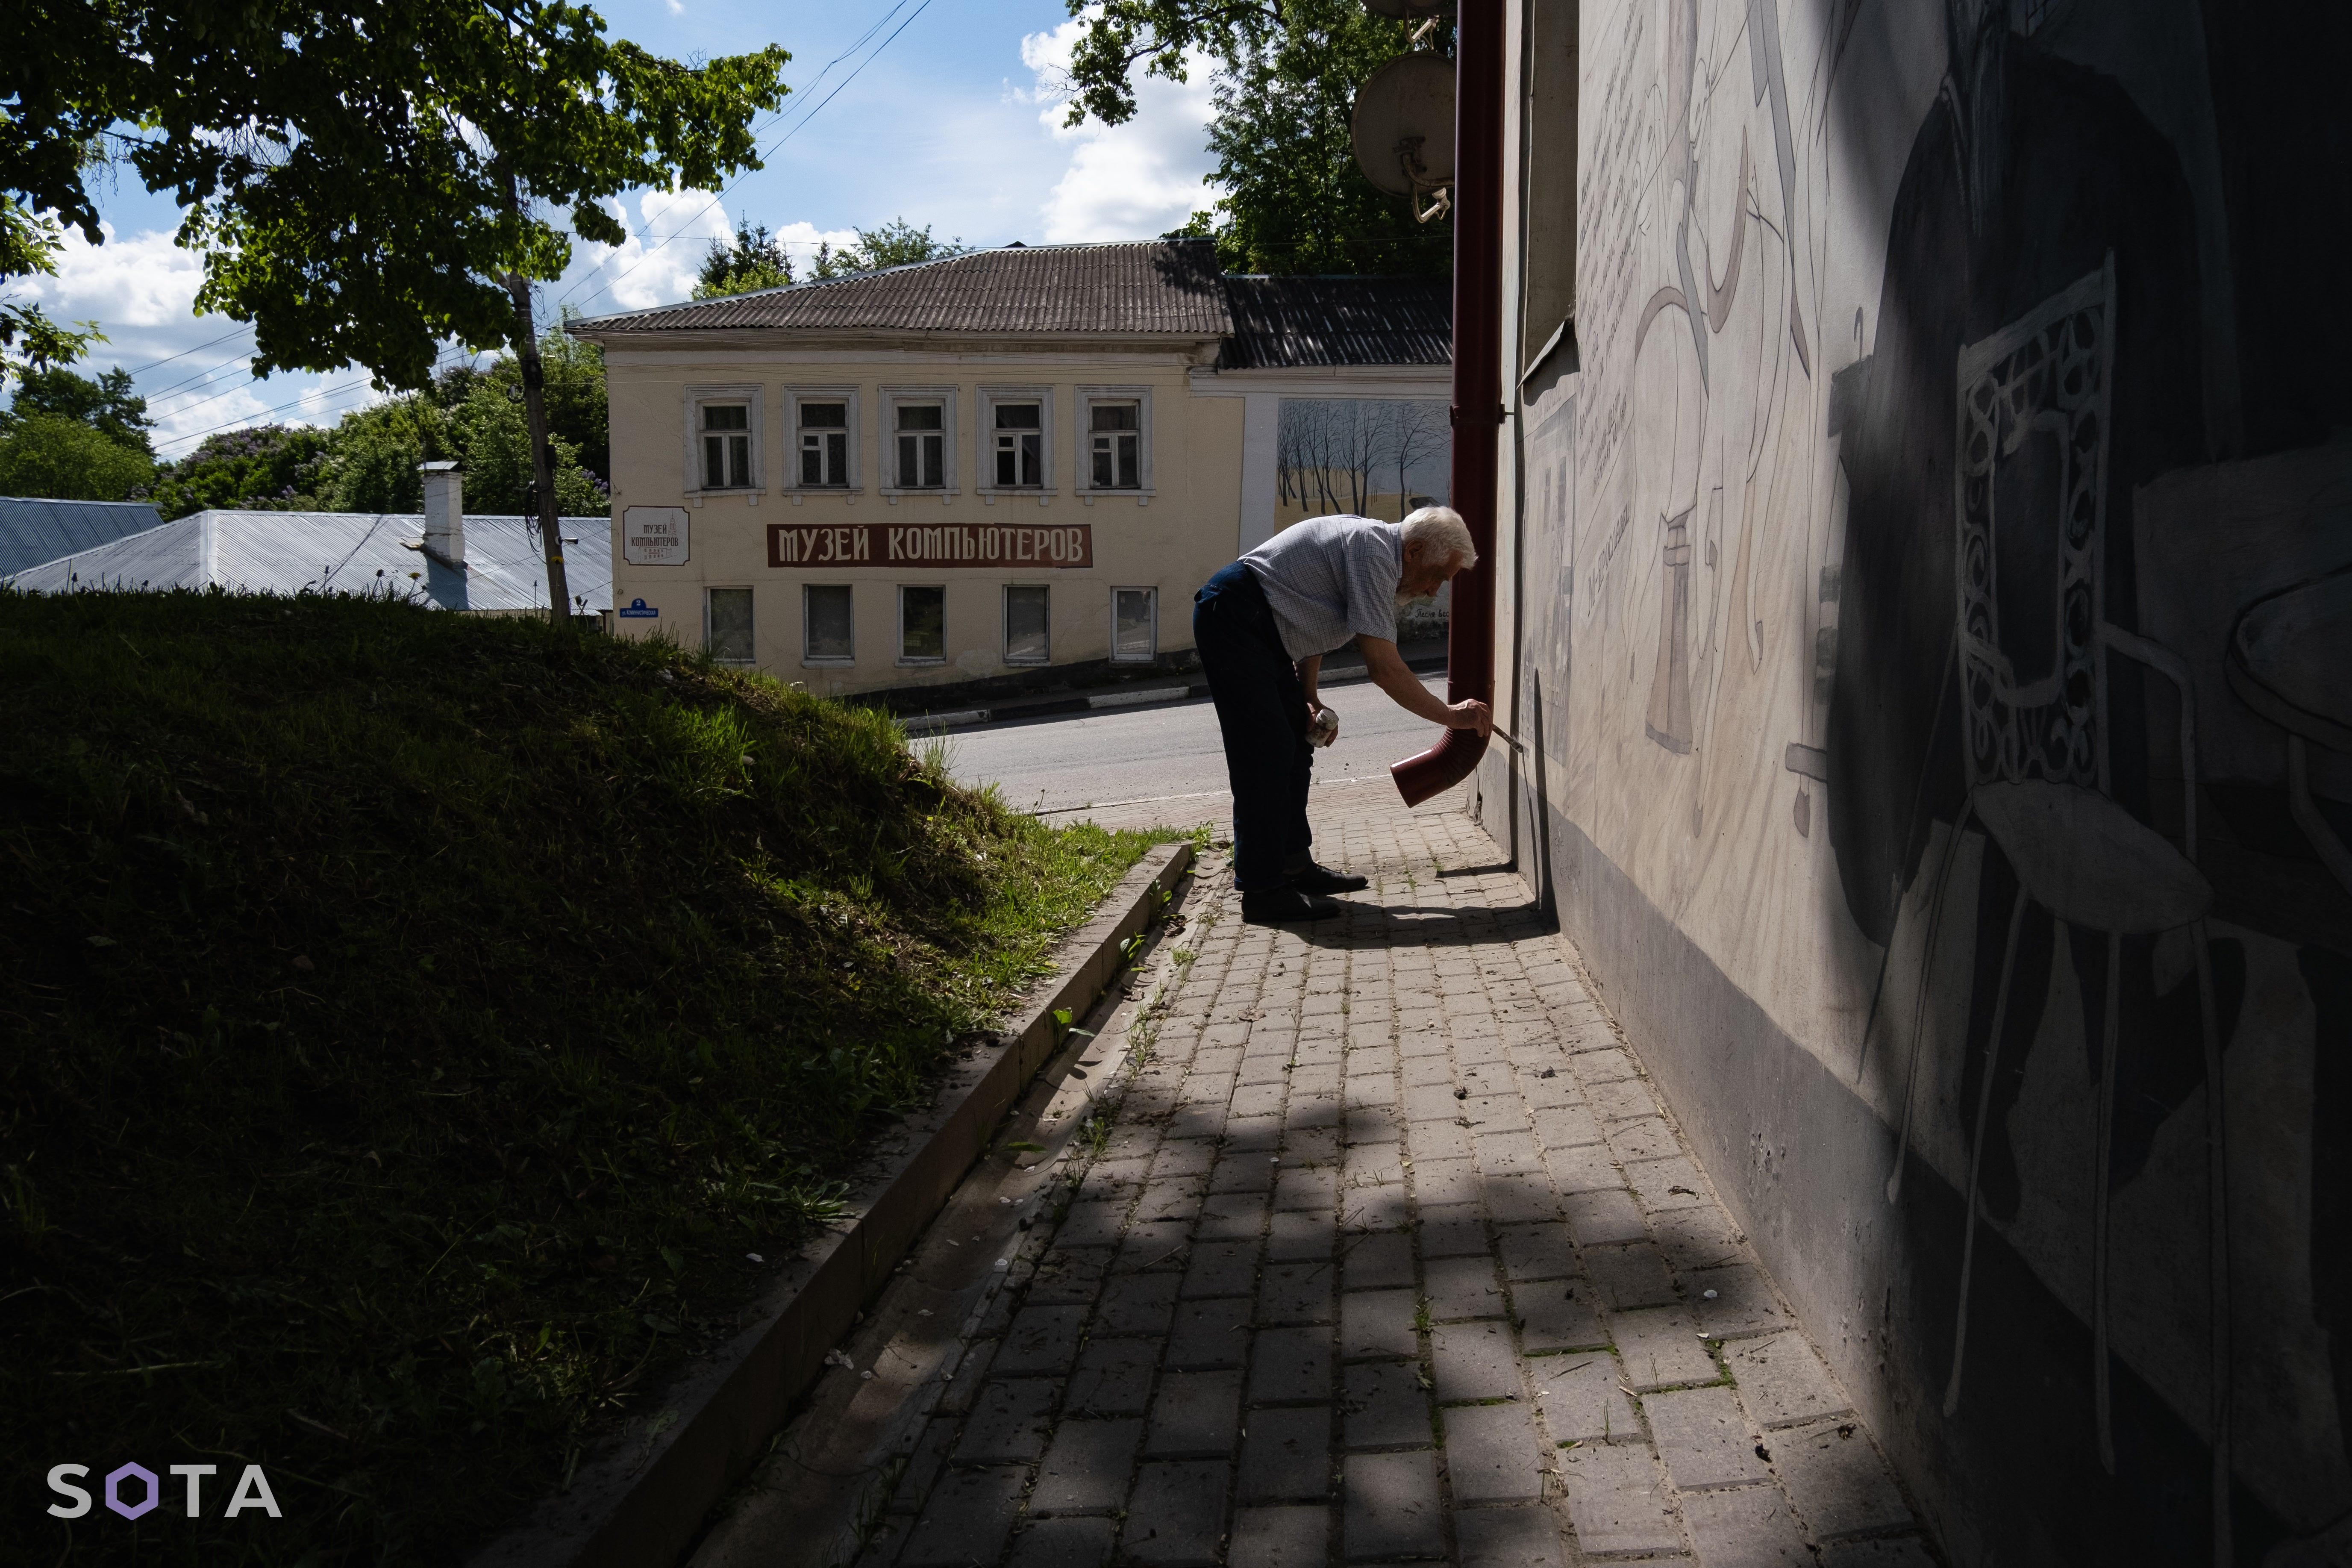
[1404, 125]
[1407, 8]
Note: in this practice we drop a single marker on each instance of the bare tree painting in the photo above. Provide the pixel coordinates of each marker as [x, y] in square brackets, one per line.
[1371, 458]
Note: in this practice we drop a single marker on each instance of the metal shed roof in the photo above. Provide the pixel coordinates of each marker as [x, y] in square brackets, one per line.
[341, 553]
[33, 530]
[1287, 323]
[1160, 287]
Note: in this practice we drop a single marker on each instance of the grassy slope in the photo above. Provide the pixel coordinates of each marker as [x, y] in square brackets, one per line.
[409, 1023]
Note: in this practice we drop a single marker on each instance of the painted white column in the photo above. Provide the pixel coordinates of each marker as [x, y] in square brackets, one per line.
[1260, 425]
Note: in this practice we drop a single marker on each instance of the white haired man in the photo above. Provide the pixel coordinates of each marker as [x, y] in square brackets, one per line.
[1262, 625]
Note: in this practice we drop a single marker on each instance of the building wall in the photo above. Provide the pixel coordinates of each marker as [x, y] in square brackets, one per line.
[1915, 343]
[1169, 537]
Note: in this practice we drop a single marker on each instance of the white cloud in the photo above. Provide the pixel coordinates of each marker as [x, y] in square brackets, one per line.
[1126, 181]
[674, 8]
[658, 262]
[146, 282]
[142, 293]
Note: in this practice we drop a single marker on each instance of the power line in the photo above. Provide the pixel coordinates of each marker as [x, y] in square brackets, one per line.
[167, 359]
[323, 398]
[769, 151]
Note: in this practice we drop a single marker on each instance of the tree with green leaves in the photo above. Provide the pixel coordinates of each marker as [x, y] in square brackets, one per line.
[262, 467]
[895, 244]
[369, 181]
[1286, 78]
[30, 341]
[473, 415]
[754, 260]
[50, 455]
[74, 438]
[106, 404]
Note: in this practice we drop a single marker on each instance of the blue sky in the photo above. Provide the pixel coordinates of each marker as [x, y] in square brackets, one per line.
[955, 123]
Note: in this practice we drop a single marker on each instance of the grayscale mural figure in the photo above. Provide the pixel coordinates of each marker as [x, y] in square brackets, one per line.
[1933, 598]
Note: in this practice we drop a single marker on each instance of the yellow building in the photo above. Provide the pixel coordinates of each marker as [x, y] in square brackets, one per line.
[967, 470]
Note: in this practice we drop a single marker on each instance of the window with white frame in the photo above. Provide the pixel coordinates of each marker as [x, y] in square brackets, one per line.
[922, 443]
[923, 625]
[824, 435]
[1014, 442]
[825, 630]
[1134, 624]
[1019, 441]
[1028, 623]
[726, 446]
[722, 440]
[1114, 444]
[727, 625]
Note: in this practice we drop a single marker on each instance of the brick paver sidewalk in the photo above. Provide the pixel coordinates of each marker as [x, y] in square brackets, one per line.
[1390, 1253]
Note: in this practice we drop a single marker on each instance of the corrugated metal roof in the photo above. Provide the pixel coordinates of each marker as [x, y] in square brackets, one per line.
[1167, 286]
[341, 553]
[1285, 322]
[33, 530]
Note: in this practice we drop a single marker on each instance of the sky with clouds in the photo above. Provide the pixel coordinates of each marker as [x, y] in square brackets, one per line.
[947, 112]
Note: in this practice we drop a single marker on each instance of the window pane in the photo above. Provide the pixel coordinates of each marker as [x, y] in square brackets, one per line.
[825, 613]
[1016, 417]
[836, 451]
[1103, 473]
[812, 460]
[738, 461]
[922, 461]
[1133, 635]
[824, 415]
[922, 622]
[1026, 628]
[731, 624]
[918, 416]
[726, 416]
[1130, 475]
[714, 462]
[1113, 417]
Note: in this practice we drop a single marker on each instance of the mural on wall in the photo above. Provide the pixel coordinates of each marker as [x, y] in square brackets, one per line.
[1956, 558]
[1369, 457]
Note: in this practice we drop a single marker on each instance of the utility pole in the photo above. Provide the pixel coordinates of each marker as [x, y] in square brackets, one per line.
[534, 405]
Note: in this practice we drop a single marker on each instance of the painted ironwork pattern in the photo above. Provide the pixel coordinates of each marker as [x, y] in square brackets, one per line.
[2048, 370]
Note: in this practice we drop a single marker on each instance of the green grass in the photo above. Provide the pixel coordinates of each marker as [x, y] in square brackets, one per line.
[410, 1023]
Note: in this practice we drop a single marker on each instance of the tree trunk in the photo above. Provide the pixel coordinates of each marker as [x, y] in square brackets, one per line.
[542, 468]
[543, 458]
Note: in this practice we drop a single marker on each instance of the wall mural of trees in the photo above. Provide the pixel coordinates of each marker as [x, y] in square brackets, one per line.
[1366, 456]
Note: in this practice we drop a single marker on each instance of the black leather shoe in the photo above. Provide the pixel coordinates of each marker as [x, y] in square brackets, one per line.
[1323, 880]
[1287, 906]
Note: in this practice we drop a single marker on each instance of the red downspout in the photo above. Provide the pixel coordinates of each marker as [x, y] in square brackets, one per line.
[1477, 386]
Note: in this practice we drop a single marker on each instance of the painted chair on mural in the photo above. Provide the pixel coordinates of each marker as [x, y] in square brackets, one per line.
[2033, 646]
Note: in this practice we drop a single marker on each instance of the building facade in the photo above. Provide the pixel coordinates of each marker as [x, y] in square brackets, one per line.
[1926, 584]
[975, 469]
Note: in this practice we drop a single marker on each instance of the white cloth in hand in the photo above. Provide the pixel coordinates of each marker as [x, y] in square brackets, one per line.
[1326, 728]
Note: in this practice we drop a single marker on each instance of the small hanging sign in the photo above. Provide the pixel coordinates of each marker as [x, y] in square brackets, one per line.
[654, 535]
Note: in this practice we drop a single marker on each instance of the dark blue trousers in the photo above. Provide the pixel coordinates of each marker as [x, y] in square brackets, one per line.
[1262, 713]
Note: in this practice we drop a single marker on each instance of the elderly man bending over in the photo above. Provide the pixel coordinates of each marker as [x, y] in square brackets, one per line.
[1262, 625]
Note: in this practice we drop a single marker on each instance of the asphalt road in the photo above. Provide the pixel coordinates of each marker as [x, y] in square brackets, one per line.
[1137, 758]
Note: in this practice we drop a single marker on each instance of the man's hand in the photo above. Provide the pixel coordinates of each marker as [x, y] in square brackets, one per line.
[1324, 727]
[1389, 673]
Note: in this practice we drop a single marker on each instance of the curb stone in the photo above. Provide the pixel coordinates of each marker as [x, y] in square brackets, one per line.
[641, 1498]
[860, 1448]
